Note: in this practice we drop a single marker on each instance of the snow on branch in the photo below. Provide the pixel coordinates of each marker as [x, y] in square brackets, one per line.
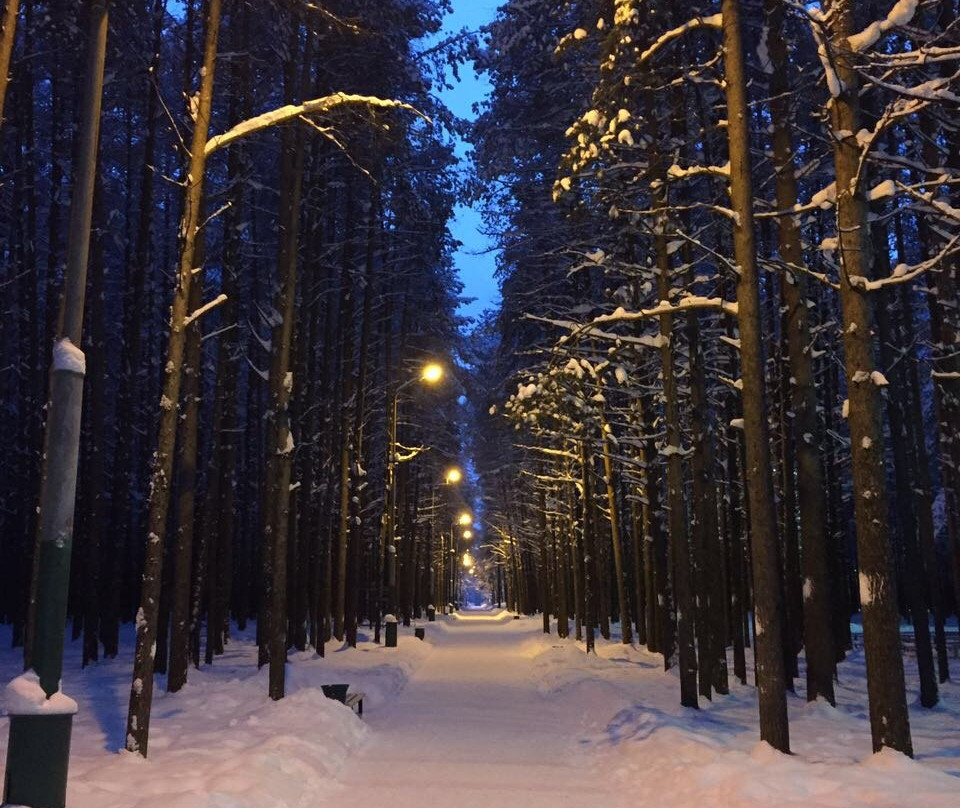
[666, 307]
[317, 106]
[900, 15]
[678, 173]
[713, 21]
[196, 315]
[331, 17]
[586, 330]
[903, 273]
[407, 453]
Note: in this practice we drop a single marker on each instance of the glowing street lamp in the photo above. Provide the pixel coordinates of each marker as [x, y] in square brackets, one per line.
[467, 560]
[453, 476]
[468, 534]
[431, 373]
[464, 519]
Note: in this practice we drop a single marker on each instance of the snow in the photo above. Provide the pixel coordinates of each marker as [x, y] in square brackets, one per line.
[68, 357]
[885, 189]
[24, 696]
[196, 315]
[314, 107]
[900, 15]
[487, 710]
[712, 21]
[221, 742]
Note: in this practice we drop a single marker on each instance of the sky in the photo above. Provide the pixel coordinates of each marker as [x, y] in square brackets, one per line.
[475, 260]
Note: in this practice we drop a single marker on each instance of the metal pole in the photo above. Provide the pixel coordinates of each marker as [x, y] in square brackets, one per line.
[385, 521]
[58, 490]
[39, 779]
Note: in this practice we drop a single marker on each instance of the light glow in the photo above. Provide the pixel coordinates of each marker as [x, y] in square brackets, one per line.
[432, 373]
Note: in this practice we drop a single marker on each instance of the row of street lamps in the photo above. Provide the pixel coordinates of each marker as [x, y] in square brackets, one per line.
[431, 373]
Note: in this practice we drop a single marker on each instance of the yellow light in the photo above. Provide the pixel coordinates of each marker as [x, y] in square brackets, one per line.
[465, 519]
[432, 373]
[468, 534]
[467, 560]
[454, 475]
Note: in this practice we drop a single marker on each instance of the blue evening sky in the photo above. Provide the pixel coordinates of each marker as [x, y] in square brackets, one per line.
[475, 260]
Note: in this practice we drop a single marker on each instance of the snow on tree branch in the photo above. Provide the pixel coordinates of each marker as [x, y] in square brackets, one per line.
[196, 315]
[900, 15]
[317, 106]
[713, 21]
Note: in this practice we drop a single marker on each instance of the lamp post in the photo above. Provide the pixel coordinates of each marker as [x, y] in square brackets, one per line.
[39, 742]
[431, 374]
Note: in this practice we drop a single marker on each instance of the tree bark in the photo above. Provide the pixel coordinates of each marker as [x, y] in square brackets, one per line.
[768, 607]
[889, 721]
[7, 39]
[141, 691]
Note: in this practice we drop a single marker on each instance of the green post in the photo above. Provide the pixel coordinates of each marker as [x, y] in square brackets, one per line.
[390, 624]
[39, 749]
[37, 758]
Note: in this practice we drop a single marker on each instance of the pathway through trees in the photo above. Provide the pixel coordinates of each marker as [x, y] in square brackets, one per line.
[471, 729]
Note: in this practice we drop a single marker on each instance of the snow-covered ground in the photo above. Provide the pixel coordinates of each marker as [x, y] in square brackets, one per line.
[488, 711]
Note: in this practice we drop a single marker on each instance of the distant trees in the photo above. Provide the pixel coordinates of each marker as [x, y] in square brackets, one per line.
[769, 212]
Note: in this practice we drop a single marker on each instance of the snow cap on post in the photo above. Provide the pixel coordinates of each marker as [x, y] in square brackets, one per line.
[389, 619]
[24, 696]
[68, 357]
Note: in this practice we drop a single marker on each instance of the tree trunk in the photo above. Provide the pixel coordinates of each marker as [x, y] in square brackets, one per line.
[7, 39]
[768, 607]
[889, 721]
[141, 691]
[280, 441]
[807, 434]
[186, 475]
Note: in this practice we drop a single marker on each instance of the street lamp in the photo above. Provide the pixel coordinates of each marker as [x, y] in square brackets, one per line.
[468, 534]
[465, 519]
[431, 373]
[453, 476]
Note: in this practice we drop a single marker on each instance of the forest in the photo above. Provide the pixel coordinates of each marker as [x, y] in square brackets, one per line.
[715, 413]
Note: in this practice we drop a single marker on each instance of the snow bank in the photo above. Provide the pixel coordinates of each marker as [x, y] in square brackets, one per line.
[220, 742]
[710, 758]
[696, 770]
[24, 696]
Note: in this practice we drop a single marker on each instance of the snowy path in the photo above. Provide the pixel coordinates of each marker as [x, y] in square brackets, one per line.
[487, 712]
[472, 729]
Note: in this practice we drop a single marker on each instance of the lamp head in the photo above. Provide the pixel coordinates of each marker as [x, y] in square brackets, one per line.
[432, 373]
[454, 475]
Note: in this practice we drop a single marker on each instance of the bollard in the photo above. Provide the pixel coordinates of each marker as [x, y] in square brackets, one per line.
[419, 632]
[39, 748]
[390, 624]
[431, 614]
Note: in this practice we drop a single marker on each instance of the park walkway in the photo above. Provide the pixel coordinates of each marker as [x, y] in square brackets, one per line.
[471, 730]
